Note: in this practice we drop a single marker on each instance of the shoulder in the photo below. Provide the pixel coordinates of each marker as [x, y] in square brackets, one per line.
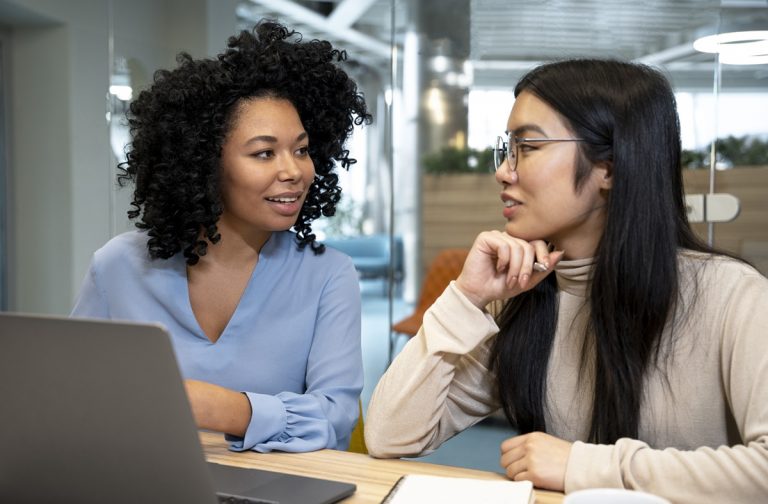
[330, 258]
[131, 245]
[716, 265]
[286, 263]
[282, 256]
[722, 274]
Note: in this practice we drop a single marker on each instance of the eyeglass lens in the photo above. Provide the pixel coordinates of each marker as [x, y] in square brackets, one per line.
[505, 150]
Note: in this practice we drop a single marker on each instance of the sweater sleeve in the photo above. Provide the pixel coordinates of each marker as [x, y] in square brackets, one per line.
[736, 473]
[325, 414]
[438, 385]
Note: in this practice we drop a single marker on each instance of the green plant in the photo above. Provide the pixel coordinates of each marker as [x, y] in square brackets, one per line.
[731, 151]
[693, 159]
[743, 151]
[452, 160]
[347, 221]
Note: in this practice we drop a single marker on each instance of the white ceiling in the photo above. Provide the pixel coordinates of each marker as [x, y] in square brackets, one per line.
[507, 36]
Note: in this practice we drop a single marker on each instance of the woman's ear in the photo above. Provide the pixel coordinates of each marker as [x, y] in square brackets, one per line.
[604, 174]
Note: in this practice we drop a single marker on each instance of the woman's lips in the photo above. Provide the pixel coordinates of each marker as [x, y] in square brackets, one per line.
[511, 206]
[286, 204]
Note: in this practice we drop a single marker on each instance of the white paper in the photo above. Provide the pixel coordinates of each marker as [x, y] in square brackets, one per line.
[418, 488]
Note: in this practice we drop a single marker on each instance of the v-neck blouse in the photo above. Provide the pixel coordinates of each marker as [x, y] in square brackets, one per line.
[292, 344]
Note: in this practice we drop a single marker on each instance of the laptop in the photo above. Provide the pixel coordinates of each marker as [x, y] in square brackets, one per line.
[95, 411]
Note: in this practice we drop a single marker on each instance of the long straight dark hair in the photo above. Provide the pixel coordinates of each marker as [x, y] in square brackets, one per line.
[627, 115]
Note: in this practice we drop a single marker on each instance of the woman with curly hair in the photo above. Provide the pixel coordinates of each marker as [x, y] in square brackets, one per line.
[632, 355]
[228, 155]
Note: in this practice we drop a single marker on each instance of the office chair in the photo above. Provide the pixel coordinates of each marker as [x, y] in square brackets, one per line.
[445, 267]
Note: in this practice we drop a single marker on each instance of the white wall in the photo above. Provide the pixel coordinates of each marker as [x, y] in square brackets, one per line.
[63, 203]
[40, 241]
[57, 150]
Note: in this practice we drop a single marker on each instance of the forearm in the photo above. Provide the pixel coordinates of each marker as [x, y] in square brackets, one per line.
[437, 386]
[218, 408]
[725, 474]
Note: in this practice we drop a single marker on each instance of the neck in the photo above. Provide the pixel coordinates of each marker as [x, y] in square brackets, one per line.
[236, 247]
[582, 241]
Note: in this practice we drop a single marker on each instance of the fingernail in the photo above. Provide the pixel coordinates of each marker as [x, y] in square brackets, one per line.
[524, 279]
[541, 267]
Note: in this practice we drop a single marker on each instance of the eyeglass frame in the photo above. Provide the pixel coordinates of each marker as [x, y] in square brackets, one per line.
[498, 160]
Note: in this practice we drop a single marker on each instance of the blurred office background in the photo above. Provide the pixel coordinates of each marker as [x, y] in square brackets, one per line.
[438, 77]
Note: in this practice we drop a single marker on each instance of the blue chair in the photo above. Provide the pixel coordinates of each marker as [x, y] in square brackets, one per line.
[372, 255]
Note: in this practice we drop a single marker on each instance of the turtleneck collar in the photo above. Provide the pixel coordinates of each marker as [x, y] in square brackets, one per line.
[574, 276]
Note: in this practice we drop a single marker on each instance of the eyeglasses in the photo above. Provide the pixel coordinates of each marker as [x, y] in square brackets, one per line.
[509, 149]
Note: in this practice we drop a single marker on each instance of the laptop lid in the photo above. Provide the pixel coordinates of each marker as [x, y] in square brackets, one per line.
[95, 411]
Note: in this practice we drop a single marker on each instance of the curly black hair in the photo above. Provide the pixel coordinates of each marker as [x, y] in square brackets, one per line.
[179, 124]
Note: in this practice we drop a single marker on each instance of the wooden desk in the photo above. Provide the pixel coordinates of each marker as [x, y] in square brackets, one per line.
[373, 477]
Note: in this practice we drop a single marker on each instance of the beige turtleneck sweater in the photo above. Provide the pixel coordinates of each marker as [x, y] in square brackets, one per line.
[704, 421]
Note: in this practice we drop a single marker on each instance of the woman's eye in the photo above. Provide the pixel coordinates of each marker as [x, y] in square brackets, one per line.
[266, 154]
[302, 151]
[524, 147]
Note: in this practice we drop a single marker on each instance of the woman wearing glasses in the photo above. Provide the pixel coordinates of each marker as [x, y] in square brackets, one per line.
[626, 352]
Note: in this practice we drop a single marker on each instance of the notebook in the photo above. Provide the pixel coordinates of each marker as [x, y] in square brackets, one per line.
[95, 411]
[419, 488]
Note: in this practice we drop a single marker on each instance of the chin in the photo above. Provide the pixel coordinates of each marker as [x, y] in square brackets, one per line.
[519, 232]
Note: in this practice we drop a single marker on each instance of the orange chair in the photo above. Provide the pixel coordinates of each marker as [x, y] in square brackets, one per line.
[445, 267]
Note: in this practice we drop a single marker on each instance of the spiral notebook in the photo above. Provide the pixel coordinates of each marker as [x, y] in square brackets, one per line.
[420, 488]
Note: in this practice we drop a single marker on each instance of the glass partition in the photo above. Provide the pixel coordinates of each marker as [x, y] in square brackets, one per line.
[459, 71]
[438, 76]
[4, 193]
[727, 163]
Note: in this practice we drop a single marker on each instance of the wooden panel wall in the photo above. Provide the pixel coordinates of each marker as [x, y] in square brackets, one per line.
[457, 207]
[747, 235]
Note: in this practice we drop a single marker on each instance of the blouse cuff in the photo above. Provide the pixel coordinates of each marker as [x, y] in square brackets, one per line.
[268, 419]
[285, 422]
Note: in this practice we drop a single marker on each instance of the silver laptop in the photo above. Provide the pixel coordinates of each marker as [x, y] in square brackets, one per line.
[95, 411]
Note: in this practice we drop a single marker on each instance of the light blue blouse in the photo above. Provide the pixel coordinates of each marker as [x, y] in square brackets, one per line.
[292, 345]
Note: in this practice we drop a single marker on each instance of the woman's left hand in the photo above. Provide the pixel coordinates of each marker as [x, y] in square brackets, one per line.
[536, 457]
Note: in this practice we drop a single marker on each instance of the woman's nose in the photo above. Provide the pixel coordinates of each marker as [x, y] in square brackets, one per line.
[504, 174]
[290, 169]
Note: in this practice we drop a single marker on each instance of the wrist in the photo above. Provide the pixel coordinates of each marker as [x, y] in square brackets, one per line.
[473, 298]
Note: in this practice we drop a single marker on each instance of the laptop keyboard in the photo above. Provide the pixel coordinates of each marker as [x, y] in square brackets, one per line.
[232, 499]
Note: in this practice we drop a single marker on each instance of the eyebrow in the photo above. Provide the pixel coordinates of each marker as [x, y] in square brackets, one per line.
[271, 139]
[526, 127]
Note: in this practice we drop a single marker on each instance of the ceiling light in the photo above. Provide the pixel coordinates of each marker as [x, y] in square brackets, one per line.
[736, 48]
[744, 59]
[120, 81]
[123, 92]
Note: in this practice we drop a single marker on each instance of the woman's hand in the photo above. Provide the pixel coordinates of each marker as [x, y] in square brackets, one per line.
[500, 266]
[536, 457]
[218, 408]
